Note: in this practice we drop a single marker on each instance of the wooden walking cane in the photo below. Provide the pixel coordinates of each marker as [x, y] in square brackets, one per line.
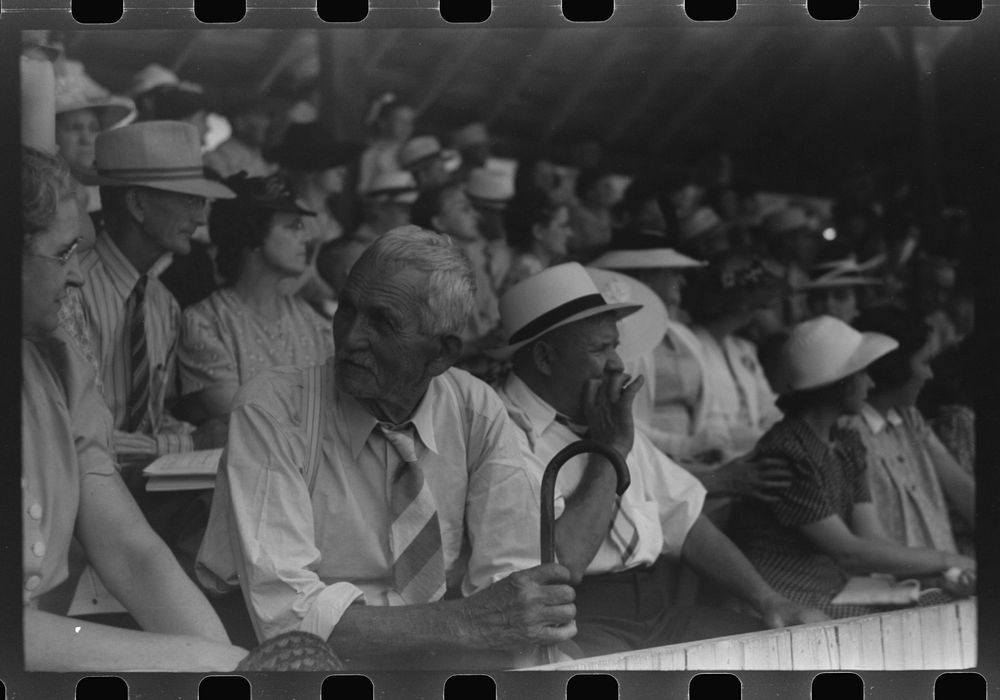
[548, 525]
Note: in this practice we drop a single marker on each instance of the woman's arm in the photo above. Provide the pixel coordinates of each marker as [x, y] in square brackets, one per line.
[959, 486]
[53, 643]
[858, 554]
[136, 566]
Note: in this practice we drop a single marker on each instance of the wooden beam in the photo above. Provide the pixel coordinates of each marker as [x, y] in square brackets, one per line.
[384, 41]
[736, 60]
[455, 59]
[600, 64]
[278, 55]
[655, 81]
[184, 55]
[541, 52]
[343, 98]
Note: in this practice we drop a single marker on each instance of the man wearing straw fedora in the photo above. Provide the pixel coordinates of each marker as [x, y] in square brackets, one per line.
[154, 196]
[568, 381]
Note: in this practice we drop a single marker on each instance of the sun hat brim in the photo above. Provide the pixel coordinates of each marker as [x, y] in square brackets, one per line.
[195, 186]
[620, 310]
[110, 110]
[642, 259]
[840, 282]
[872, 347]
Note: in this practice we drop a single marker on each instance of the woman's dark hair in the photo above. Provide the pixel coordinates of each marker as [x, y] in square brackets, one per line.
[524, 211]
[732, 282]
[586, 180]
[796, 402]
[428, 205]
[903, 326]
[235, 229]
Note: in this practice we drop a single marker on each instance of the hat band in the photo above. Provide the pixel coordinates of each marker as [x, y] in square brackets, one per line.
[554, 316]
[421, 160]
[181, 173]
[390, 192]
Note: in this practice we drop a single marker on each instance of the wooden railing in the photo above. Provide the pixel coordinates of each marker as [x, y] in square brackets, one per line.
[934, 637]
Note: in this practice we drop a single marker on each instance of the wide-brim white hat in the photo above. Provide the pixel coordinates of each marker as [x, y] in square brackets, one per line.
[548, 300]
[639, 332]
[844, 273]
[649, 259]
[77, 90]
[824, 350]
[163, 155]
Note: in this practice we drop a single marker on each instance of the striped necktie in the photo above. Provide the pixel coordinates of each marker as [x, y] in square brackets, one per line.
[138, 395]
[623, 532]
[415, 534]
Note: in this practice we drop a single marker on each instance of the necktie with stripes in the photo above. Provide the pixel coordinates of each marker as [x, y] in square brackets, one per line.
[415, 534]
[623, 532]
[138, 395]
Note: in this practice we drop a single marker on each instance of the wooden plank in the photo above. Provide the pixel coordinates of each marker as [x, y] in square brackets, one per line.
[702, 656]
[849, 646]
[893, 642]
[967, 626]
[951, 636]
[939, 637]
[872, 651]
[812, 650]
[913, 656]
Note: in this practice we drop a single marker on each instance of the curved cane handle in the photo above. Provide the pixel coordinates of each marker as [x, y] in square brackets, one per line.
[548, 528]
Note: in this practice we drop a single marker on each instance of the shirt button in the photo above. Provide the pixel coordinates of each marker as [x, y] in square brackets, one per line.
[38, 549]
[32, 582]
[35, 511]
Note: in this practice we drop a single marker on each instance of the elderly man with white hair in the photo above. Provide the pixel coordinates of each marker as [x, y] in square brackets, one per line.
[568, 382]
[352, 495]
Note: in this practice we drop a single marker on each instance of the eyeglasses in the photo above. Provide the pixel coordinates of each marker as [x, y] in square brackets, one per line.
[63, 259]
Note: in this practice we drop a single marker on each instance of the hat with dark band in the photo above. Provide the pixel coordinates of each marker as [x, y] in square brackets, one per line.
[162, 155]
[548, 300]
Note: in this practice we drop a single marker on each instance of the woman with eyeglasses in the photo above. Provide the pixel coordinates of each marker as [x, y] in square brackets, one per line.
[74, 503]
[252, 323]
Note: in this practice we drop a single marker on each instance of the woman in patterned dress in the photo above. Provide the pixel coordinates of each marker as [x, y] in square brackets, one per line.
[251, 324]
[823, 528]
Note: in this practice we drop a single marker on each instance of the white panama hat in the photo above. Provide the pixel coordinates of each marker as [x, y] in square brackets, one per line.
[650, 258]
[548, 300]
[824, 350]
[642, 331]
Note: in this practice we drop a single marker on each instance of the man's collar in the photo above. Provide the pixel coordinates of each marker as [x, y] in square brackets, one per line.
[536, 410]
[876, 421]
[359, 422]
[122, 272]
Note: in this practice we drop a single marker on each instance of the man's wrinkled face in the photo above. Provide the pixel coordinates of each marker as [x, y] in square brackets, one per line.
[582, 351]
[381, 350]
[171, 218]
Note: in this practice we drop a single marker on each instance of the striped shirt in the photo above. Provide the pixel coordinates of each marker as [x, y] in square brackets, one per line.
[109, 278]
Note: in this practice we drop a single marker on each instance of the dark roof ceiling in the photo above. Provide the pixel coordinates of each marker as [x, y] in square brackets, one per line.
[793, 105]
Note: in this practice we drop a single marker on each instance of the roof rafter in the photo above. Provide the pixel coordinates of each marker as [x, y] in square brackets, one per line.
[455, 59]
[600, 64]
[541, 52]
[277, 56]
[735, 61]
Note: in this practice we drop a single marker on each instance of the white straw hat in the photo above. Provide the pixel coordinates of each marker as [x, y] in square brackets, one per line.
[548, 300]
[393, 186]
[642, 331]
[489, 188]
[824, 350]
[77, 90]
[651, 258]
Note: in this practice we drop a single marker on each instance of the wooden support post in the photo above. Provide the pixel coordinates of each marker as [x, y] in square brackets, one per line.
[343, 94]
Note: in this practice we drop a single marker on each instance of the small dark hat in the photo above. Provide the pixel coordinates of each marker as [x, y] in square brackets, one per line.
[309, 147]
[272, 193]
[174, 102]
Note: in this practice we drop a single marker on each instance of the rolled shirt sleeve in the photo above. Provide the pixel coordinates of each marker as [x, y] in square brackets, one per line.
[272, 534]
